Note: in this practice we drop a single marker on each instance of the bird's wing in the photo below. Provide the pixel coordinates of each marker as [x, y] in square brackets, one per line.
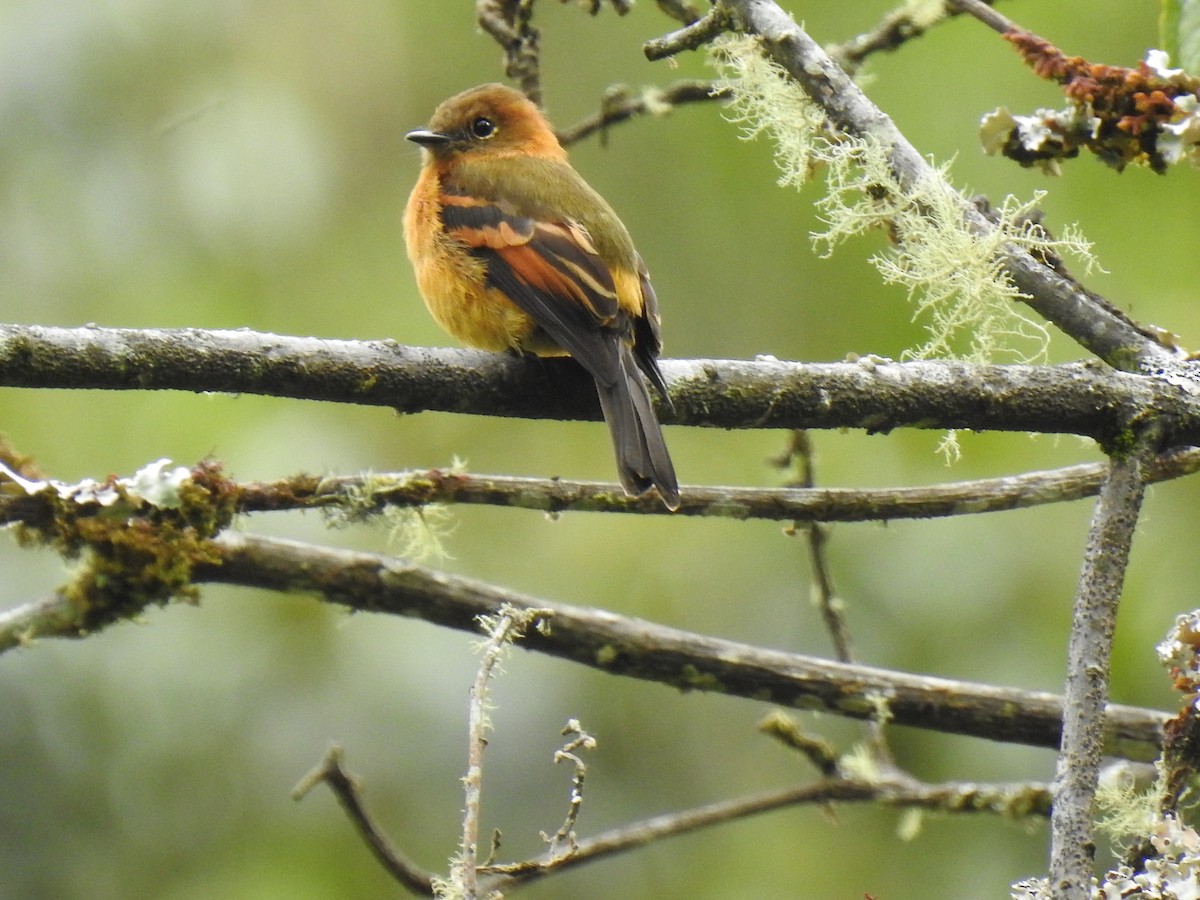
[551, 270]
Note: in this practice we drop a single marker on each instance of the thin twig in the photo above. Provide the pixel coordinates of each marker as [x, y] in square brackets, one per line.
[680, 10]
[52, 616]
[375, 492]
[891, 33]
[621, 104]
[640, 649]
[361, 497]
[1020, 800]
[509, 23]
[785, 729]
[345, 787]
[832, 610]
[985, 14]
[564, 842]
[715, 23]
[800, 449]
[1088, 654]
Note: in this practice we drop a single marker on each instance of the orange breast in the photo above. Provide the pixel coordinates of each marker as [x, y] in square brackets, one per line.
[451, 281]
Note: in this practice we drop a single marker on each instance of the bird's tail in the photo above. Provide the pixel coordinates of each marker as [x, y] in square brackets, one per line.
[642, 458]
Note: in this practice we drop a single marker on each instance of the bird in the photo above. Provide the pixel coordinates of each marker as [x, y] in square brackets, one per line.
[514, 251]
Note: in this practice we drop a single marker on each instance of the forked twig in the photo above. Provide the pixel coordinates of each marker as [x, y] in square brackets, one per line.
[345, 787]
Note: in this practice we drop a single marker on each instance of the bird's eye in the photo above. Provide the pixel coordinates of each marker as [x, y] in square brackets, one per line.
[483, 127]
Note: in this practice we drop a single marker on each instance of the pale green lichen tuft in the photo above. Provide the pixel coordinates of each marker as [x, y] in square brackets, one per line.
[765, 100]
[418, 533]
[953, 274]
[1126, 809]
[954, 277]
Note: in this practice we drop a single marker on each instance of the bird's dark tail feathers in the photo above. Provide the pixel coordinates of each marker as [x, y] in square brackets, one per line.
[642, 458]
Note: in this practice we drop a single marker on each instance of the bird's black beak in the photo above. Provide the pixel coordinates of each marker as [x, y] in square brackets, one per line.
[428, 138]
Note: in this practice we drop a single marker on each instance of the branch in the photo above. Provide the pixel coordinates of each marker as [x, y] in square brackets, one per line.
[359, 497]
[53, 616]
[377, 491]
[1054, 297]
[620, 105]
[501, 629]
[679, 10]
[362, 496]
[824, 595]
[1008, 800]
[877, 395]
[509, 23]
[695, 34]
[639, 649]
[1089, 653]
[892, 32]
[345, 787]
[1003, 799]
[984, 13]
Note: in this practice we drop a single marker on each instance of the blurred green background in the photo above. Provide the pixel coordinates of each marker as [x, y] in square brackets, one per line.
[228, 164]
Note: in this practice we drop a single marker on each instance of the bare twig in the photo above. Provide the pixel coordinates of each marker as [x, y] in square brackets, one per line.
[621, 104]
[641, 649]
[564, 842]
[691, 36]
[788, 732]
[1009, 800]
[800, 449]
[825, 597]
[363, 496]
[892, 32]
[52, 616]
[984, 13]
[345, 787]
[679, 10]
[1089, 651]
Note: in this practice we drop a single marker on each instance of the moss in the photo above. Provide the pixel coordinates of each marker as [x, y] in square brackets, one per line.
[1120, 445]
[134, 554]
[132, 564]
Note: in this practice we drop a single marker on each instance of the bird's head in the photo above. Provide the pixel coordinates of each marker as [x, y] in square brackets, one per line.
[491, 119]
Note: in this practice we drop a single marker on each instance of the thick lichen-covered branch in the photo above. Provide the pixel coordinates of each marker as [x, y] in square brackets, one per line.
[872, 394]
[850, 112]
